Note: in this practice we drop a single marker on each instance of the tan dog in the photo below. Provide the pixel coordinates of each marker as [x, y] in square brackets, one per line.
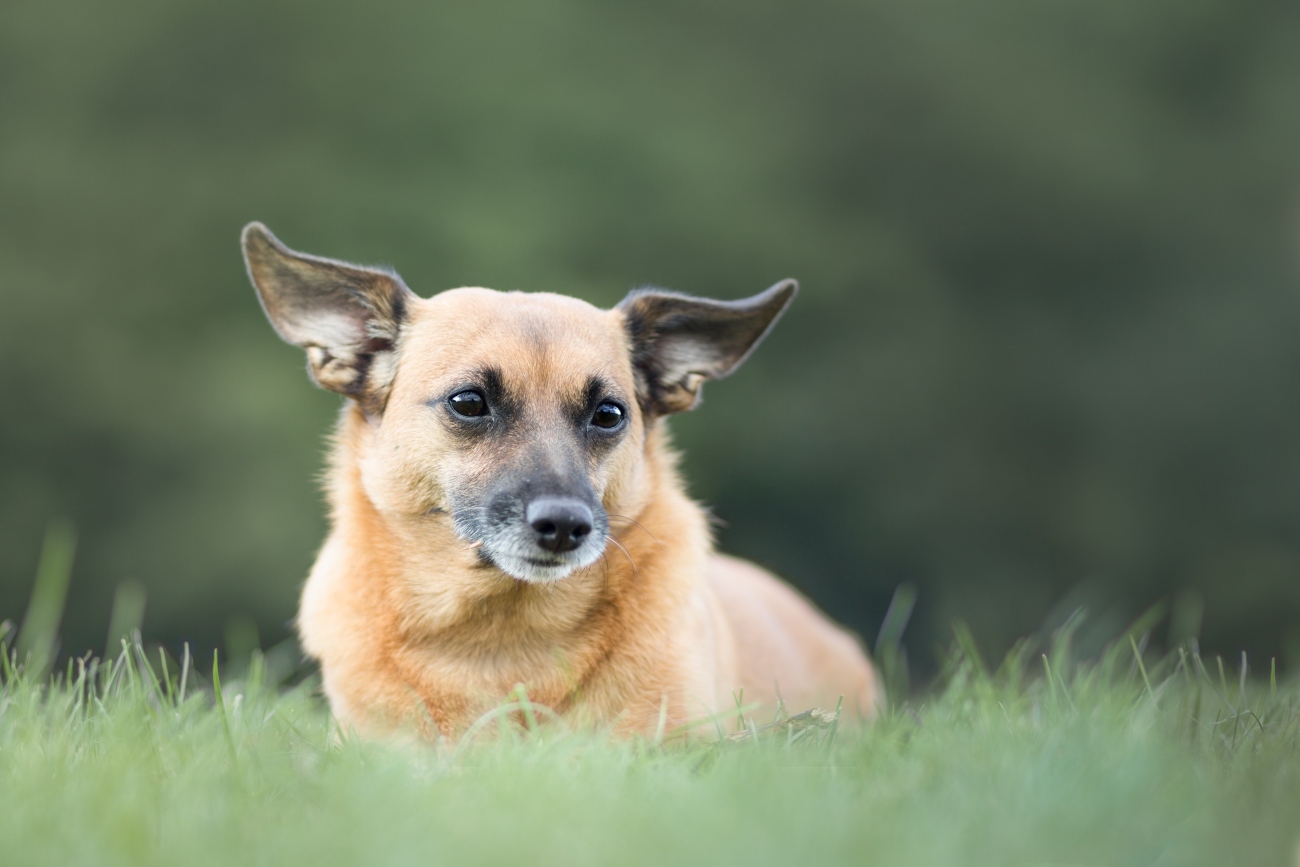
[506, 509]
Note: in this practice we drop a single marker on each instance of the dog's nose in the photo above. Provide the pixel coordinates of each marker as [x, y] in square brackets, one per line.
[561, 523]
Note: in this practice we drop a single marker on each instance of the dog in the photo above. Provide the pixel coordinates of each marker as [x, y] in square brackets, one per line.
[506, 510]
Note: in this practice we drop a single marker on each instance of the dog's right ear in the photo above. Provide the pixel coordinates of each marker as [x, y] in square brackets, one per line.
[347, 317]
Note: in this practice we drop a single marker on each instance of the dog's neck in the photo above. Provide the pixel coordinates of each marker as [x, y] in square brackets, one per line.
[441, 595]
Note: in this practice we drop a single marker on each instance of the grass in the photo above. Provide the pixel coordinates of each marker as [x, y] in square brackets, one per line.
[1101, 763]
[1125, 759]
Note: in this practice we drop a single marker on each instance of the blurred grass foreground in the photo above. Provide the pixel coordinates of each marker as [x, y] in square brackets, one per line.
[1127, 759]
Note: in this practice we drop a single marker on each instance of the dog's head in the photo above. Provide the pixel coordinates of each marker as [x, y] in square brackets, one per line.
[521, 416]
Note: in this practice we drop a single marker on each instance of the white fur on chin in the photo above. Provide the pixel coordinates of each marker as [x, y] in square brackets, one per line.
[527, 568]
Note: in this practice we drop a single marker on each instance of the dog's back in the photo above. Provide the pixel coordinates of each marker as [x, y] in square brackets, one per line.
[785, 648]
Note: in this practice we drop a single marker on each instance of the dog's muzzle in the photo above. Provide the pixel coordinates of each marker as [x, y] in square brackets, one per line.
[538, 539]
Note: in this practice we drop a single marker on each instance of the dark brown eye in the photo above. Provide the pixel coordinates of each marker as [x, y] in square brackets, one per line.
[468, 403]
[607, 415]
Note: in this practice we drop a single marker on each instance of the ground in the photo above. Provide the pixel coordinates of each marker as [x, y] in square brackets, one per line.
[1171, 761]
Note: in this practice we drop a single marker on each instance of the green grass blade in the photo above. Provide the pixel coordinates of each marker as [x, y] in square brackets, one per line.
[38, 637]
[221, 708]
[127, 615]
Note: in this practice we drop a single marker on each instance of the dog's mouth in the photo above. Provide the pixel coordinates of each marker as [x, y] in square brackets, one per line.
[537, 568]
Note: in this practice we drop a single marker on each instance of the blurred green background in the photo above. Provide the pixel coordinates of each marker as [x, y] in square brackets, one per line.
[1046, 353]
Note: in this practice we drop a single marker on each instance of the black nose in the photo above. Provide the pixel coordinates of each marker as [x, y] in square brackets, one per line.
[561, 523]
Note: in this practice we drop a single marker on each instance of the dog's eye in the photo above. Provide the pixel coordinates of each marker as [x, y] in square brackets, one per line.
[607, 415]
[468, 403]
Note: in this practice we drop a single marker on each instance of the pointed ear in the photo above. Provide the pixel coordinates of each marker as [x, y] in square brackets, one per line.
[347, 317]
[679, 341]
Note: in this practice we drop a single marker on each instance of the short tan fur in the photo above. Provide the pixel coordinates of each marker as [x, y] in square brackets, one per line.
[506, 509]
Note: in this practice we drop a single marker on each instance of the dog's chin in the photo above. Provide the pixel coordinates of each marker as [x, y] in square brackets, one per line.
[541, 567]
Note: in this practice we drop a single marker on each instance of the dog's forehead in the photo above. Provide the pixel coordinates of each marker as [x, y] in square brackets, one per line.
[534, 337]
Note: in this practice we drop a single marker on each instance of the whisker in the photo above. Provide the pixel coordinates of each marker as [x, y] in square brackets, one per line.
[626, 554]
[638, 523]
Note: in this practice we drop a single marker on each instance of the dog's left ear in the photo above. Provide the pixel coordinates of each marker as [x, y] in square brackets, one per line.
[679, 341]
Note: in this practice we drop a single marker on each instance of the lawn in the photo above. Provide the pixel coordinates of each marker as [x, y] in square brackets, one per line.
[139, 760]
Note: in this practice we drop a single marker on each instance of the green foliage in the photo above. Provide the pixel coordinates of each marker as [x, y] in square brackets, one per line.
[1123, 760]
[1048, 252]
